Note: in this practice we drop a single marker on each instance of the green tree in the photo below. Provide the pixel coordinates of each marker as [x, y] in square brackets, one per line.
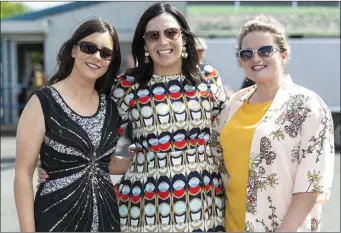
[9, 9]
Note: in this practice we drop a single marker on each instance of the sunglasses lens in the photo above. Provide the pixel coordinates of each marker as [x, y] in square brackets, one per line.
[151, 35]
[172, 33]
[87, 47]
[107, 54]
[265, 51]
[246, 54]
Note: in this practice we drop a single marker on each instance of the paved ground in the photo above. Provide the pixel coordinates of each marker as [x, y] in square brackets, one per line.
[9, 221]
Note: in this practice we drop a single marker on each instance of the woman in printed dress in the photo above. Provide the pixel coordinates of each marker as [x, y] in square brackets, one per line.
[175, 183]
[277, 140]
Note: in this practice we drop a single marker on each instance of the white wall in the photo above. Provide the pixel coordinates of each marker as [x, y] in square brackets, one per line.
[314, 64]
[123, 16]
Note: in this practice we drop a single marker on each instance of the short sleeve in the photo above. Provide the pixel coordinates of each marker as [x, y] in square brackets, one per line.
[218, 95]
[122, 94]
[316, 156]
[219, 102]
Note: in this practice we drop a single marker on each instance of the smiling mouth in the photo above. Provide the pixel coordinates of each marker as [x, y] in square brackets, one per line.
[258, 67]
[165, 52]
[92, 66]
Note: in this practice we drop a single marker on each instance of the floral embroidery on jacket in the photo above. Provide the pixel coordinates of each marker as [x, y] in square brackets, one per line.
[249, 227]
[315, 224]
[319, 141]
[258, 179]
[292, 151]
[314, 179]
[295, 113]
[272, 217]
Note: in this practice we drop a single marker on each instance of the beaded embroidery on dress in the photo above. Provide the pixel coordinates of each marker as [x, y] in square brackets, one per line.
[76, 151]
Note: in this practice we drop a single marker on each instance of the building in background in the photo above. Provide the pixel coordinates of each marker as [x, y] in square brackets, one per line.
[31, 38]
[36, 37]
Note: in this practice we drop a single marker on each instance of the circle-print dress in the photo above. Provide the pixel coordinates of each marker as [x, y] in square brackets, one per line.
[173, 184]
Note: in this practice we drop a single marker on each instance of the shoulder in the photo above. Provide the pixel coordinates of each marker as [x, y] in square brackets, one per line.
[34, 106]
[44, 89]
[240, 93]
[122, 87]
[125, 80]
[43, 93]
[208, 70]
[308, 97]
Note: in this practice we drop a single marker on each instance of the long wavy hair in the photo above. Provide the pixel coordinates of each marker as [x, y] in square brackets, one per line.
[65, 61]
[143, 72]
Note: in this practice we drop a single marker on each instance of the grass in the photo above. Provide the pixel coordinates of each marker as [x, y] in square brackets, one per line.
[225, 21]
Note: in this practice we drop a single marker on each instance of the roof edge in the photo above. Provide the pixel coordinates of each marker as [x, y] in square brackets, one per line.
[51, 11]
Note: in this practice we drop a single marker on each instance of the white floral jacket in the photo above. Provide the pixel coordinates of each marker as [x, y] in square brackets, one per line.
[292, 151]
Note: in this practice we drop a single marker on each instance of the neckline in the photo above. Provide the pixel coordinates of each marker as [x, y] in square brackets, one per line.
[259, 104]
[167, 76]
[62, 99]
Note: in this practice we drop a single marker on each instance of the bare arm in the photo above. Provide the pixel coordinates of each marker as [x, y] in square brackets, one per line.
[300, 206]
[30, 134]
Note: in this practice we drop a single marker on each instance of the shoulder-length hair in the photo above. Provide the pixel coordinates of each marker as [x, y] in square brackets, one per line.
[143, 72]
[65, 61]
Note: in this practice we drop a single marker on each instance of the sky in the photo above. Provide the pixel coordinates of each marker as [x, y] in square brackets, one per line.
[42, 5]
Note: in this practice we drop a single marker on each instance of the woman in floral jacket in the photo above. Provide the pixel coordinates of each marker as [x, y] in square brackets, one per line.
[277, 140]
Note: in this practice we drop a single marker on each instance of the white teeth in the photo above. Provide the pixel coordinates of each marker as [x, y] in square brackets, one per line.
[258, 67]
[165, 51]
[92, 66]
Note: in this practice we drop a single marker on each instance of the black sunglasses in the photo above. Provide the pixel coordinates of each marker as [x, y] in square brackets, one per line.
[263, 52]
[170, 33]
[90, 48]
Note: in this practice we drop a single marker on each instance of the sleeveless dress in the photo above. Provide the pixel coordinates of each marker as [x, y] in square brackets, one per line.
[173, 184]
[76, 151]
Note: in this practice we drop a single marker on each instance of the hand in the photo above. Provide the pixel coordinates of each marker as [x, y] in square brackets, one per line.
[131, 150]
[42, 175]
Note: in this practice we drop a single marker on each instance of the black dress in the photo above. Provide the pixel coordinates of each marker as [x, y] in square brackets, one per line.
[76, 151]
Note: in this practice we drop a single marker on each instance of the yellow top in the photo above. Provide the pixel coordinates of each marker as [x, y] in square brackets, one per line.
[236, 138]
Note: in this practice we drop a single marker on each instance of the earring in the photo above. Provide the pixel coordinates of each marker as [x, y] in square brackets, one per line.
[146, 58]
[184, 54]
[246, 79]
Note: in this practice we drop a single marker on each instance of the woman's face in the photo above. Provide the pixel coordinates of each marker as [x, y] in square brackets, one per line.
[93, 66]
[266, 68]
[164, 42]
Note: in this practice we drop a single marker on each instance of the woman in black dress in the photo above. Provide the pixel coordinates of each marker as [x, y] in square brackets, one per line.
[73, 125]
